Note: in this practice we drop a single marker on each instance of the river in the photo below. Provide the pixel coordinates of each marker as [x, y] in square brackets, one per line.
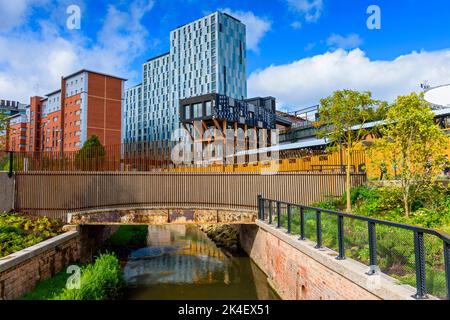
[182, 263]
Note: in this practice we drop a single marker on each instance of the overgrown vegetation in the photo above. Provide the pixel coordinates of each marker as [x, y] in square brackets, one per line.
[101, 280]
[125, 240]
[430, 208]
[18, 232]
[395, 247]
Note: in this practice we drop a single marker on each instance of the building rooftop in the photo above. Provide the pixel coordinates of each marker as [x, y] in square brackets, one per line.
[157, 57]
[51, 93]
[226, 14]
[90, 71]
[81, 71]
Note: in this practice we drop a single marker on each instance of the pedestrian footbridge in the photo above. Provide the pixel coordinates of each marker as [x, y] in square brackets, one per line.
[161, 197]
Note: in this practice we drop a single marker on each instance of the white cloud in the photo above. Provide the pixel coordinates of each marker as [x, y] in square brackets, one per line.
[310, 9]
[310, 46]
[257, 27]
[304, 82]
[350, 41]
[296, 25]
[14, 12]
[33, 61]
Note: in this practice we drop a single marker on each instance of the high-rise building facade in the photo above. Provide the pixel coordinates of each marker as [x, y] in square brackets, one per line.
[206, 56]
[88, 103]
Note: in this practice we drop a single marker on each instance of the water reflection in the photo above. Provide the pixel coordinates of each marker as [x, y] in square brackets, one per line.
[180, 262]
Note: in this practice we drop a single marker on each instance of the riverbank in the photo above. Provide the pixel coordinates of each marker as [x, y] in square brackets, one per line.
[226, 237]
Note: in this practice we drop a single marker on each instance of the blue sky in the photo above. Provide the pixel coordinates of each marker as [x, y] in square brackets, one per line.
[298, 50]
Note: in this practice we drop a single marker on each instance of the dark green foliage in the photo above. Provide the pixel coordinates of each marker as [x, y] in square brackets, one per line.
[92, 147]
[129, 236]
[4, 163]
[126, 239]
[91, 156]
[18, 232]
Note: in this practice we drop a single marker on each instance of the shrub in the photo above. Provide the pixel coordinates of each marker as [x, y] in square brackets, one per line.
[18, 232]
[99, 281]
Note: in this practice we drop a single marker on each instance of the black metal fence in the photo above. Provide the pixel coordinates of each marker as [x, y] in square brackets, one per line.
[414, 255]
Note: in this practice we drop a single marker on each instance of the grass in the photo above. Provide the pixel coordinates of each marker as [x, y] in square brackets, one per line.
[101, 280]
[49, 288]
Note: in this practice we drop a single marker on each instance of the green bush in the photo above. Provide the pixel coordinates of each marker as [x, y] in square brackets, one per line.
[18, 232]
[99, 281]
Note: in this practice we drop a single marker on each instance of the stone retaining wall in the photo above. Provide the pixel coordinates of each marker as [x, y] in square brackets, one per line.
[299, 271]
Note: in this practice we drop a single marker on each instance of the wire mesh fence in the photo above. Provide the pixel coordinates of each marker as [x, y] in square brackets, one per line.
[415, 256]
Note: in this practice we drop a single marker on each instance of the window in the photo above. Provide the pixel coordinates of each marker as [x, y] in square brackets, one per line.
[187, 112]
[197, 108]
[208, 108]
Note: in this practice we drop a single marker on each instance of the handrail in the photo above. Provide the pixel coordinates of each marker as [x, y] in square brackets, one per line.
[419, 247]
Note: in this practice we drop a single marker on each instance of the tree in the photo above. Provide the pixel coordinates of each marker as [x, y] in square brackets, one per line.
[344, 115]
[412, 140]
[3, 128]
[91, 155]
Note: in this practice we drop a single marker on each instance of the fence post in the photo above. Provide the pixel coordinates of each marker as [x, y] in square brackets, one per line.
[278, 214]
[259, 207]
[289, 215]
[341, 255]
[270, 211]
[447, 267]
[419, 250]
[372, 248]
[302, 223]
[11, 164]
[319, 229]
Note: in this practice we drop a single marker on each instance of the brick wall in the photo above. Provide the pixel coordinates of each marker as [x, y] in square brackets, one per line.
[104, 108]
[20, 272]
[298, 271]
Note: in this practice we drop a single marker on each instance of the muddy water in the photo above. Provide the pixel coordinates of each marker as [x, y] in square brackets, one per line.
[180, 262]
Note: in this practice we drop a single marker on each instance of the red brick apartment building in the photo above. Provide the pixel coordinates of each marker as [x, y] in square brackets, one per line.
[87, 103]
[17, 133]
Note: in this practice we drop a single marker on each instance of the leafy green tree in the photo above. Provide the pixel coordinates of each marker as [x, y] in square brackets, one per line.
[91, 155]
[412, 140]
[343, 116]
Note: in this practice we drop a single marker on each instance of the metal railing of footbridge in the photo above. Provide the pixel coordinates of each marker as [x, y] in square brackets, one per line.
[385, 243]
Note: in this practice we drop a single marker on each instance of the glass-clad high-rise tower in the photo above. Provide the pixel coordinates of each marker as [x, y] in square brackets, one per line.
[206, 56]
